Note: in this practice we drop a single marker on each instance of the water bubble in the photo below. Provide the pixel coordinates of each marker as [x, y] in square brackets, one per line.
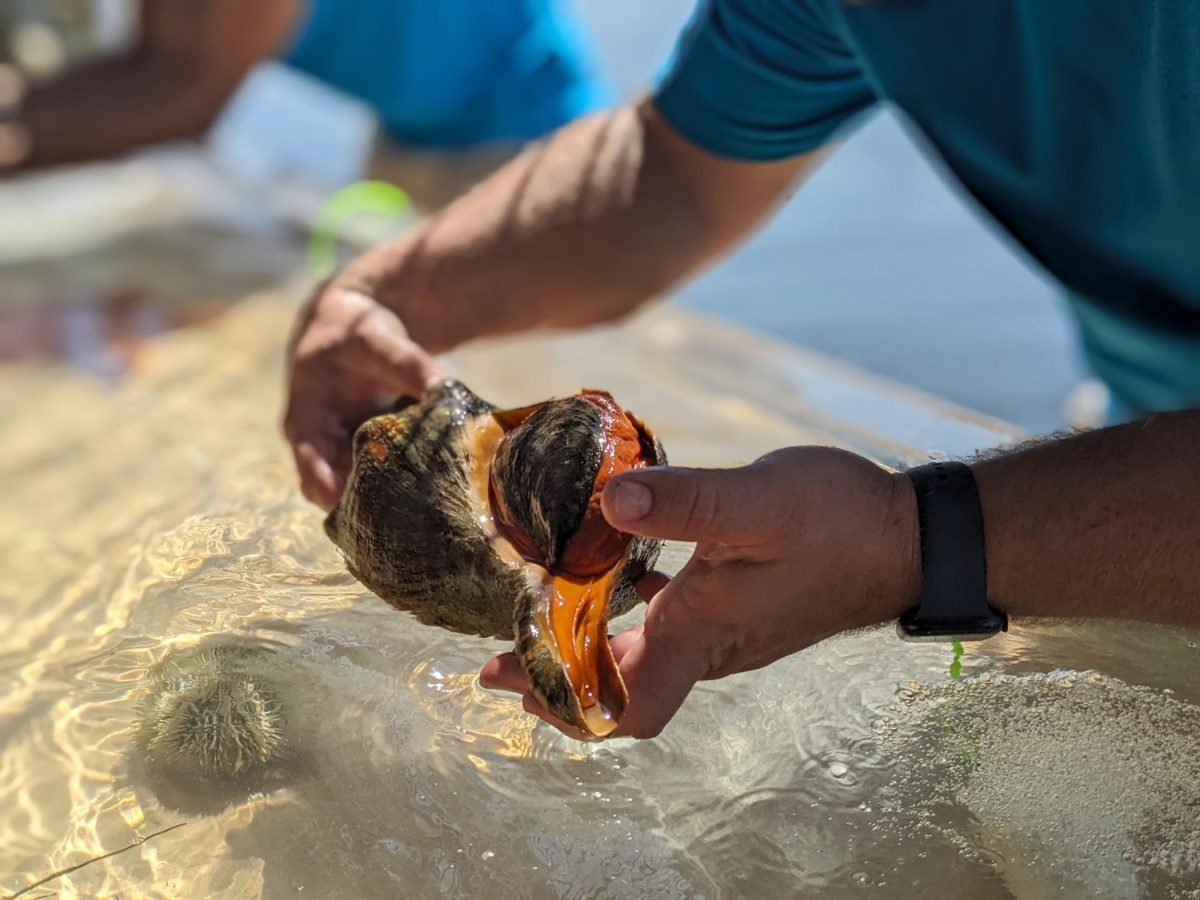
[486, 855]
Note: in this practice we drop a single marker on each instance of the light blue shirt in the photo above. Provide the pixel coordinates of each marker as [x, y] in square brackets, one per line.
[448, 73]
[1076, 123]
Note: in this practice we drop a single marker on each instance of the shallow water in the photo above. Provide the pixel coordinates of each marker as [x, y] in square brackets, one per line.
[160, 516]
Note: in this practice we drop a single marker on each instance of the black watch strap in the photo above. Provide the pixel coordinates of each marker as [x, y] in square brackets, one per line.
[954, 603]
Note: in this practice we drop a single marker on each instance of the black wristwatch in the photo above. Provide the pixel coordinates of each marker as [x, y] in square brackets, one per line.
[954, 604]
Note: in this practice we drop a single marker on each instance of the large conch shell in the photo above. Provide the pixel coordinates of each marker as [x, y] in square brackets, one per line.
[488, 522]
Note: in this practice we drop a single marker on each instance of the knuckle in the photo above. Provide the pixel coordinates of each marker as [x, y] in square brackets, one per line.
[703, 510]
[402, 355]
[669, 616]
[359, 336]
[770, 491]
[364, 322]
[316, 349]
[658, 623]
[682, 607]
[373, 337]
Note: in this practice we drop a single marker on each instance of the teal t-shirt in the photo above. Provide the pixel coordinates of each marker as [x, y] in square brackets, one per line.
[452, 73]
[1076, 123]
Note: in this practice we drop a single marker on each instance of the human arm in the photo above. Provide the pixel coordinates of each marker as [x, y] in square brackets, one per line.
[611, 211]
[810, 542]
[1105, 524]
[190, 57]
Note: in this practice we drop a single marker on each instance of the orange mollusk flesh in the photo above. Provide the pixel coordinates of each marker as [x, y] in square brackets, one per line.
[578, 619]
[582, 580]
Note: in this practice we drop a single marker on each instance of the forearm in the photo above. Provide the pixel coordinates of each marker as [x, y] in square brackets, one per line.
[582, 229]
[190, 57]
[114, 106]
[1104, 524]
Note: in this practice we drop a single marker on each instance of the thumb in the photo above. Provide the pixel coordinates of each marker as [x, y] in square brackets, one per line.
[686, 504]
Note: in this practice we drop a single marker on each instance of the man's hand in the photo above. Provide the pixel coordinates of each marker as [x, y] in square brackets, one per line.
[803, 544]
[349, 357]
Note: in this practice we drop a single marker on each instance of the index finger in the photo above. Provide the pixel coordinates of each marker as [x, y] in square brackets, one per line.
[382, 350]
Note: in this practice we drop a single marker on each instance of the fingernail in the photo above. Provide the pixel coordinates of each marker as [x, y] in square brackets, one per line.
[631, 501]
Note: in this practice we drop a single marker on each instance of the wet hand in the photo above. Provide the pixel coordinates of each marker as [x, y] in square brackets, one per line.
[349, 356]
[803, 544]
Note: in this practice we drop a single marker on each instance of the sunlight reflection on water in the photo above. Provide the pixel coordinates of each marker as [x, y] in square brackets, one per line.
[145, 521]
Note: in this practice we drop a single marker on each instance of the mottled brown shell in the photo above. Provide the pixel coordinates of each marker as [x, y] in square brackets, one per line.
[408, 526]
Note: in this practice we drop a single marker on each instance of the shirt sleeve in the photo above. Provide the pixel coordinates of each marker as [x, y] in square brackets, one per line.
[762, 79]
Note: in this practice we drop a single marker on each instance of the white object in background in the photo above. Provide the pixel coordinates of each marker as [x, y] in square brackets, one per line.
[283, 126]
[1087, 406]
[114, 23]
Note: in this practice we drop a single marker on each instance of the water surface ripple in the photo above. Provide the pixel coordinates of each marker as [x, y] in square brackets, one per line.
[160, 576]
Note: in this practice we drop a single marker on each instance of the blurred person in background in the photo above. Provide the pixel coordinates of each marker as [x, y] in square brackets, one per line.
[458, 85]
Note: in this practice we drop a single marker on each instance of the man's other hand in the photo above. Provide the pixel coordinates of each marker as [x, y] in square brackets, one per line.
[802, 544]
[348, 359]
